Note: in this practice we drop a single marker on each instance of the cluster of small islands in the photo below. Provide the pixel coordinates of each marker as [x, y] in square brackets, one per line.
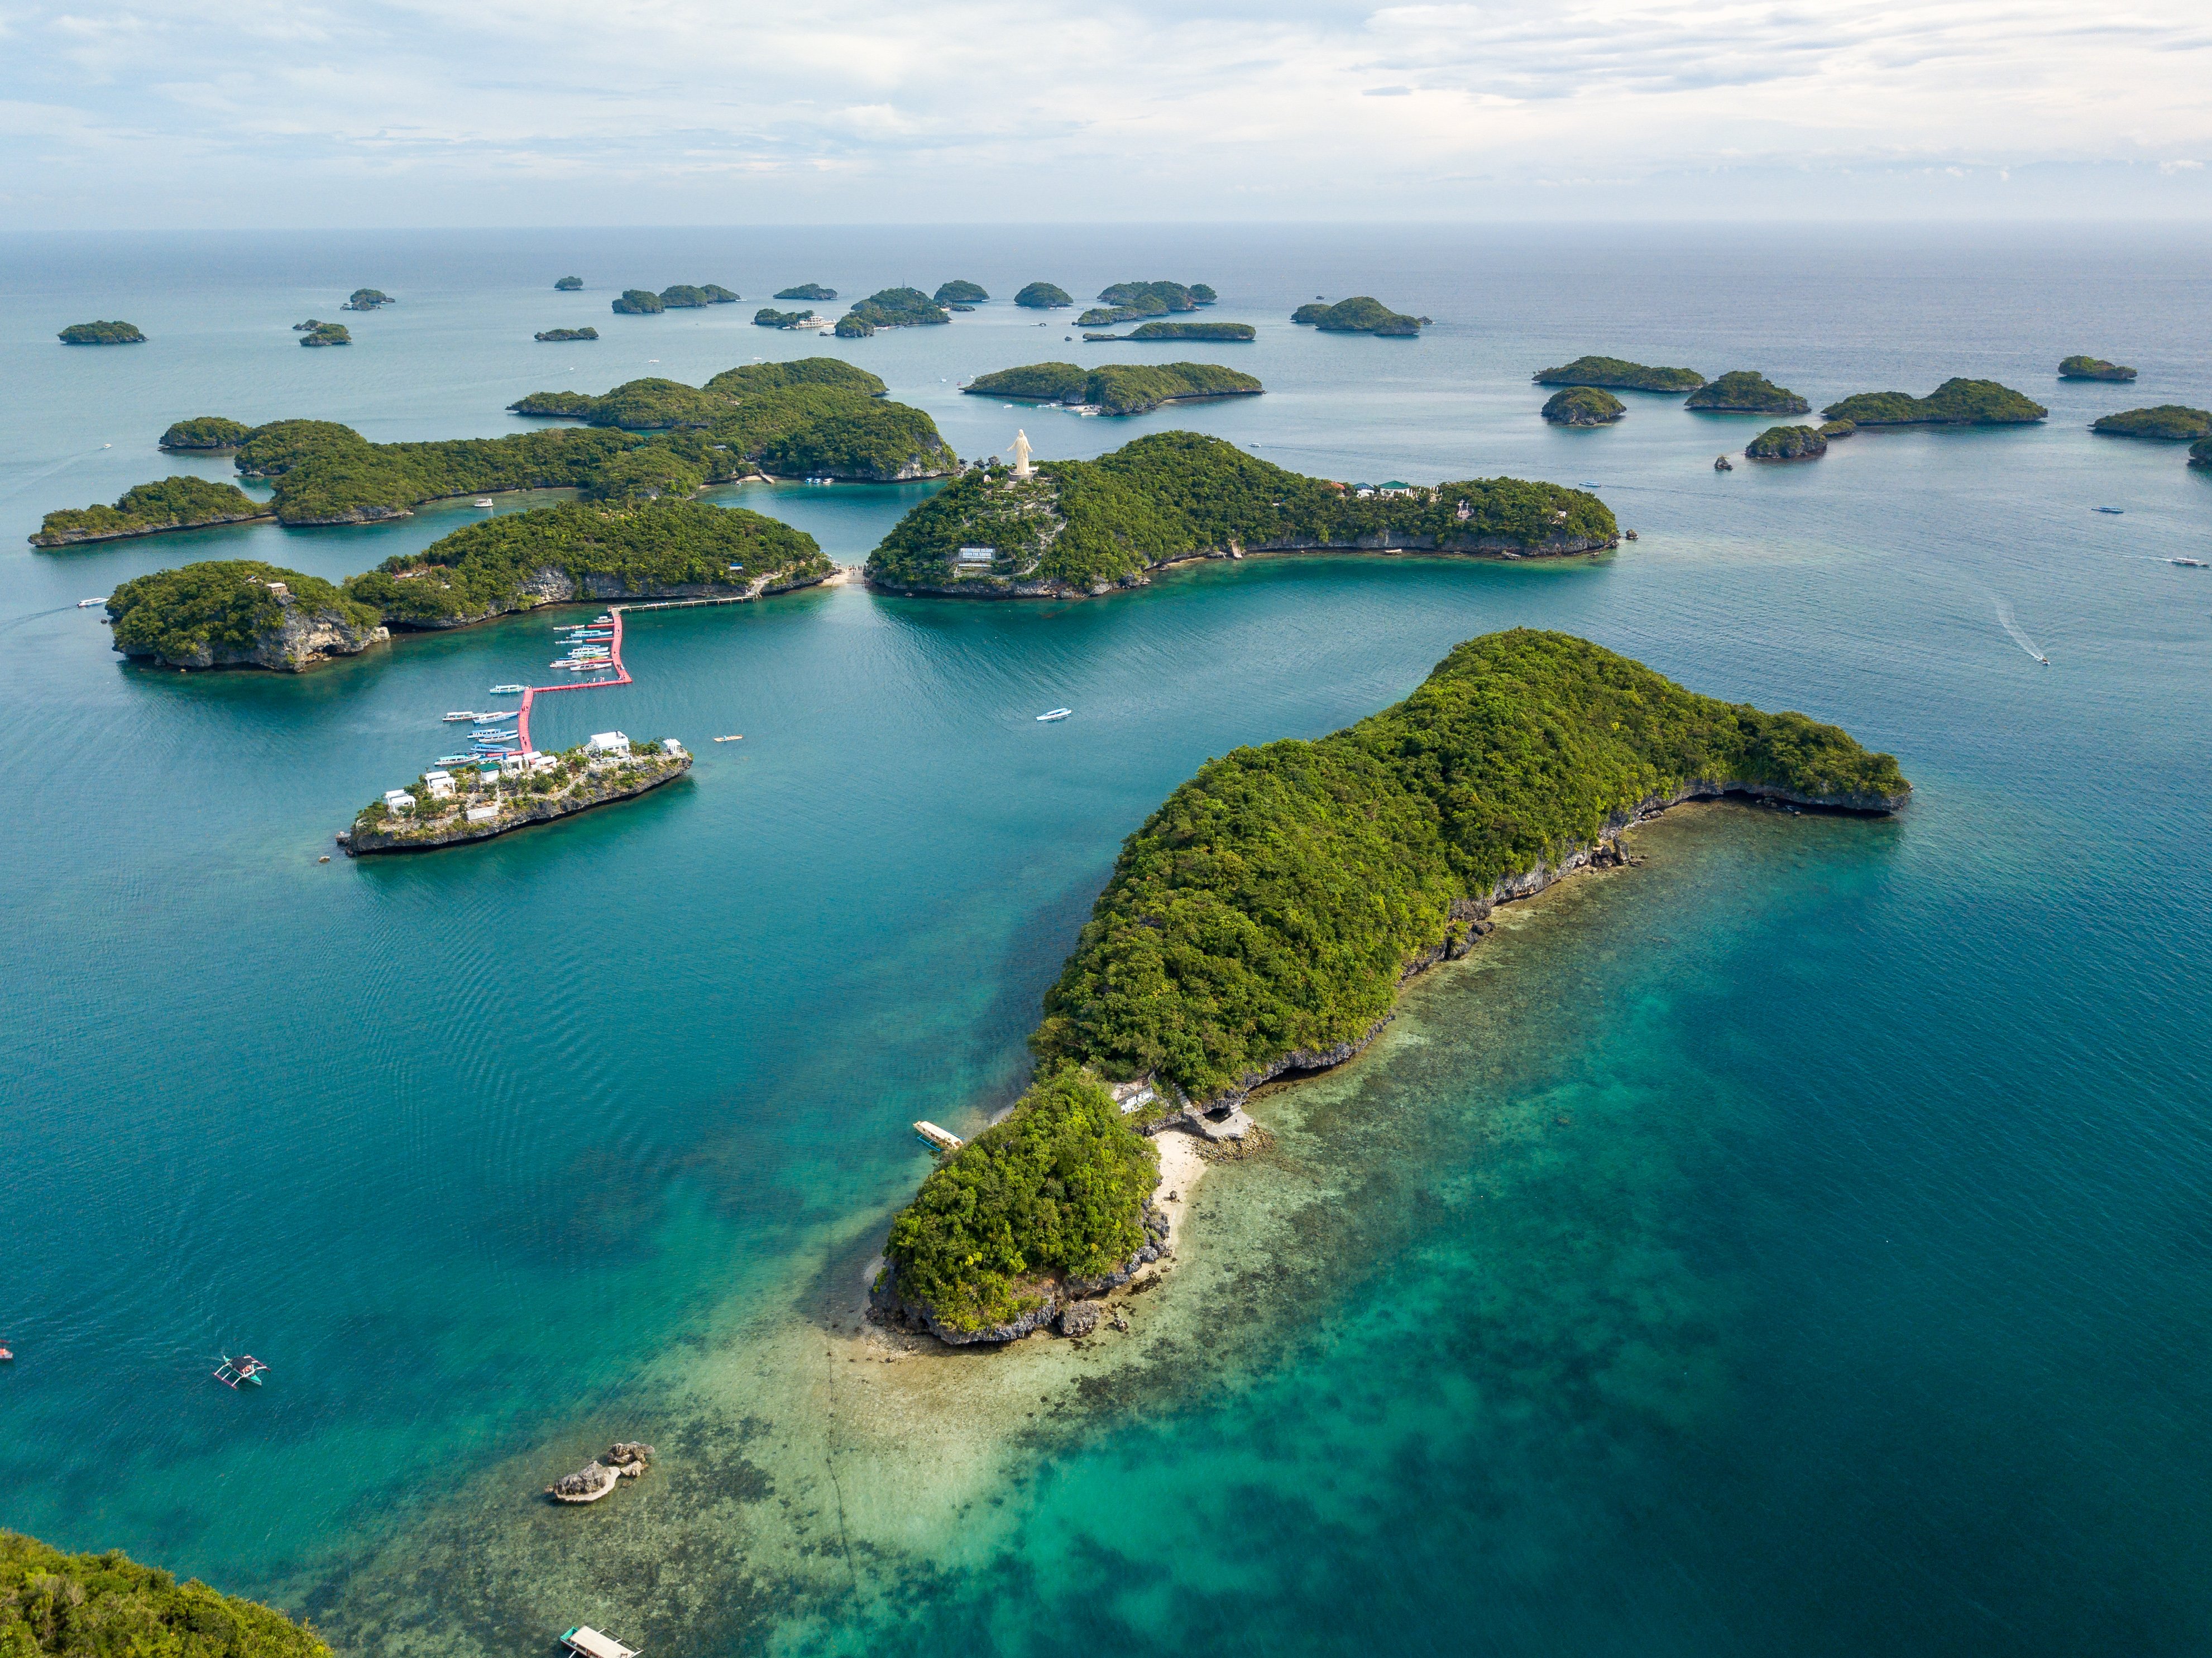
[1589, 382]
[1181, 996]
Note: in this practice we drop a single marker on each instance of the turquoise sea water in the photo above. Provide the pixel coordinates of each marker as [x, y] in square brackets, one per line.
[1798, 1243]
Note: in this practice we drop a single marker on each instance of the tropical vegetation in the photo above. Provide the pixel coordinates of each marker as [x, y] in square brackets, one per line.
[101, 333]
[639, 302]
[960, 293]
[769, 317]
[1787, 443]
[1584, 405]
[205, 432]
[684, 297]
[1044, 297]
[1275, 902]
[326, 333]
[569, 284]
[1363, 314]
[1954, 402]
[1116, 388]
[1832, 429]
[806, 291]
[1241, 332]
[218, 607]
[1619, 375]
[2093, 369]
[900, 307]
[107, 1605]
[1111, 316]
[853, 326]
[748, 378]
[2172, 421]
[499, 564]
[2200, 452]
[1056, 1190]
[562, 336]
[367, 299]
[174, 503]
[1084, 525]
[1155, 298]
[1746, 391]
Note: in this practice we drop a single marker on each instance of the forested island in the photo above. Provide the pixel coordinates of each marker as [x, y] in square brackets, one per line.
[2093, 369]
[817, 417]
[244, 613]
[1787, 443]
[315, 333]
[54, 1605]
[1238, 332]
[896, 307]
[639, 302]
[852, 327]
[1745, 392]
[1079, 527]
[1116, 388]
[101, 333]
[564, 336]
[366, 299]
[569, 285]
[146, 509]
[1264, 919]
[465, 806]
[1044, 297]
[206, 432]
[2200, 452]
[1954, 402]
[1363, 314]
[1584, 405]
[806, 291]
[769, 317]
[1618, 374]
[2170, 422]
[683, 296]
[554, 554]
[239, 613]
[960, 293]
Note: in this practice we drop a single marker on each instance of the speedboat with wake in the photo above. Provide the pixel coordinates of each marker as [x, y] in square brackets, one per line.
[1053, 714]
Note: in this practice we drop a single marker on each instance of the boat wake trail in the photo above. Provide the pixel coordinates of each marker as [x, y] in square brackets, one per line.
[2004, 614]
[21, 484]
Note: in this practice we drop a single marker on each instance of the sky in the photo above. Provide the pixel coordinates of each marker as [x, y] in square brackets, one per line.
[283, 113]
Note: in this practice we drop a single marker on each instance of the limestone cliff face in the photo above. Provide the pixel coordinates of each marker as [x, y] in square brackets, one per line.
[301, 636]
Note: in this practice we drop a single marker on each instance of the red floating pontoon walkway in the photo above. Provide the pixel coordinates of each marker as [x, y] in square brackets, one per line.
[614, 658]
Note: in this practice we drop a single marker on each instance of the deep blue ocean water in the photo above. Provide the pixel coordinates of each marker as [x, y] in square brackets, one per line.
[1799, 1243]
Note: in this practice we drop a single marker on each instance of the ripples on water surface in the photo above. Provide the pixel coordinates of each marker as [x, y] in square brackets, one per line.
[1795, 1244]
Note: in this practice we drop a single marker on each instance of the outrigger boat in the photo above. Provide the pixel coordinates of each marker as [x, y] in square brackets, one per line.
[585, 1642]
[485, 719]
[460, 713]
[508, 690]
[246, 1368]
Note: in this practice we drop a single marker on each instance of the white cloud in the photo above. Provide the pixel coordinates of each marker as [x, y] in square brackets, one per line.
[566, 107]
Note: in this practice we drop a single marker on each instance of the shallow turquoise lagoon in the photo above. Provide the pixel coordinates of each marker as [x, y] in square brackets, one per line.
[1797, 1243]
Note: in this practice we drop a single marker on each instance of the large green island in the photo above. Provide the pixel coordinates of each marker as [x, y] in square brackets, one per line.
[1264, 919]
[1746, 391]
[1361, 314]
[2169, 422]
[1618, 374]
[2093, 369]
[101, 333]
[239, 613]
[1115, 388]
[54, 1605]
[1955, 403]
[149, 509]
[1078, 527]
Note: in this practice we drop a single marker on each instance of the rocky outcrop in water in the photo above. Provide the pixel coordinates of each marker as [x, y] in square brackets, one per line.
[887, 1306]
[625, 1459]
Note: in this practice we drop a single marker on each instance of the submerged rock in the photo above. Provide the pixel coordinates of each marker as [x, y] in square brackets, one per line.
[625, 1459]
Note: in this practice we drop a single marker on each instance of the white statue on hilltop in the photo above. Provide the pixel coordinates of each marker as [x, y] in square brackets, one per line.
[1021, 454]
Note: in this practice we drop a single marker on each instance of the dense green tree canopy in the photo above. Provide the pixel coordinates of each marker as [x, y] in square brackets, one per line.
[1584, 405]
[490, 568]
[569, 284]
[900, 307]
[1787, 443]
[960, 293]
[1154, 298]
[1044, 297]
[685, 296]
[639, 302]
[1746, 391]
[206, 432]
[1619, 374]
[806, 291]
[854, 327]
[1954, 402]
[1056, 1190]
[1174, 495]
[1363, 314]
[174, 503]
[178, 614]
[1195, 331]
[54, 1605]
[1117, 388]
[748, 378]
[1274, 902]
[2093, 369]
[563, 336]
[2173, 422]
[327, 333]
[102, 333]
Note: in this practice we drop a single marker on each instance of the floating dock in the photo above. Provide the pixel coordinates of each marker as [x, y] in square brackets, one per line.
[939, 1140]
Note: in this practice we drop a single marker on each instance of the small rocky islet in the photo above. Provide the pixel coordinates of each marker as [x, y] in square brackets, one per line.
[1584, 405]
[1746, 391]
[1361, 314]
[101, 333]
[565, 336]
[1787, 443]
[2168, 422]
[1115, 388]
[1618, 374]
[806, 291]
[681, 296]
[1044, 297]
[2093, 369]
